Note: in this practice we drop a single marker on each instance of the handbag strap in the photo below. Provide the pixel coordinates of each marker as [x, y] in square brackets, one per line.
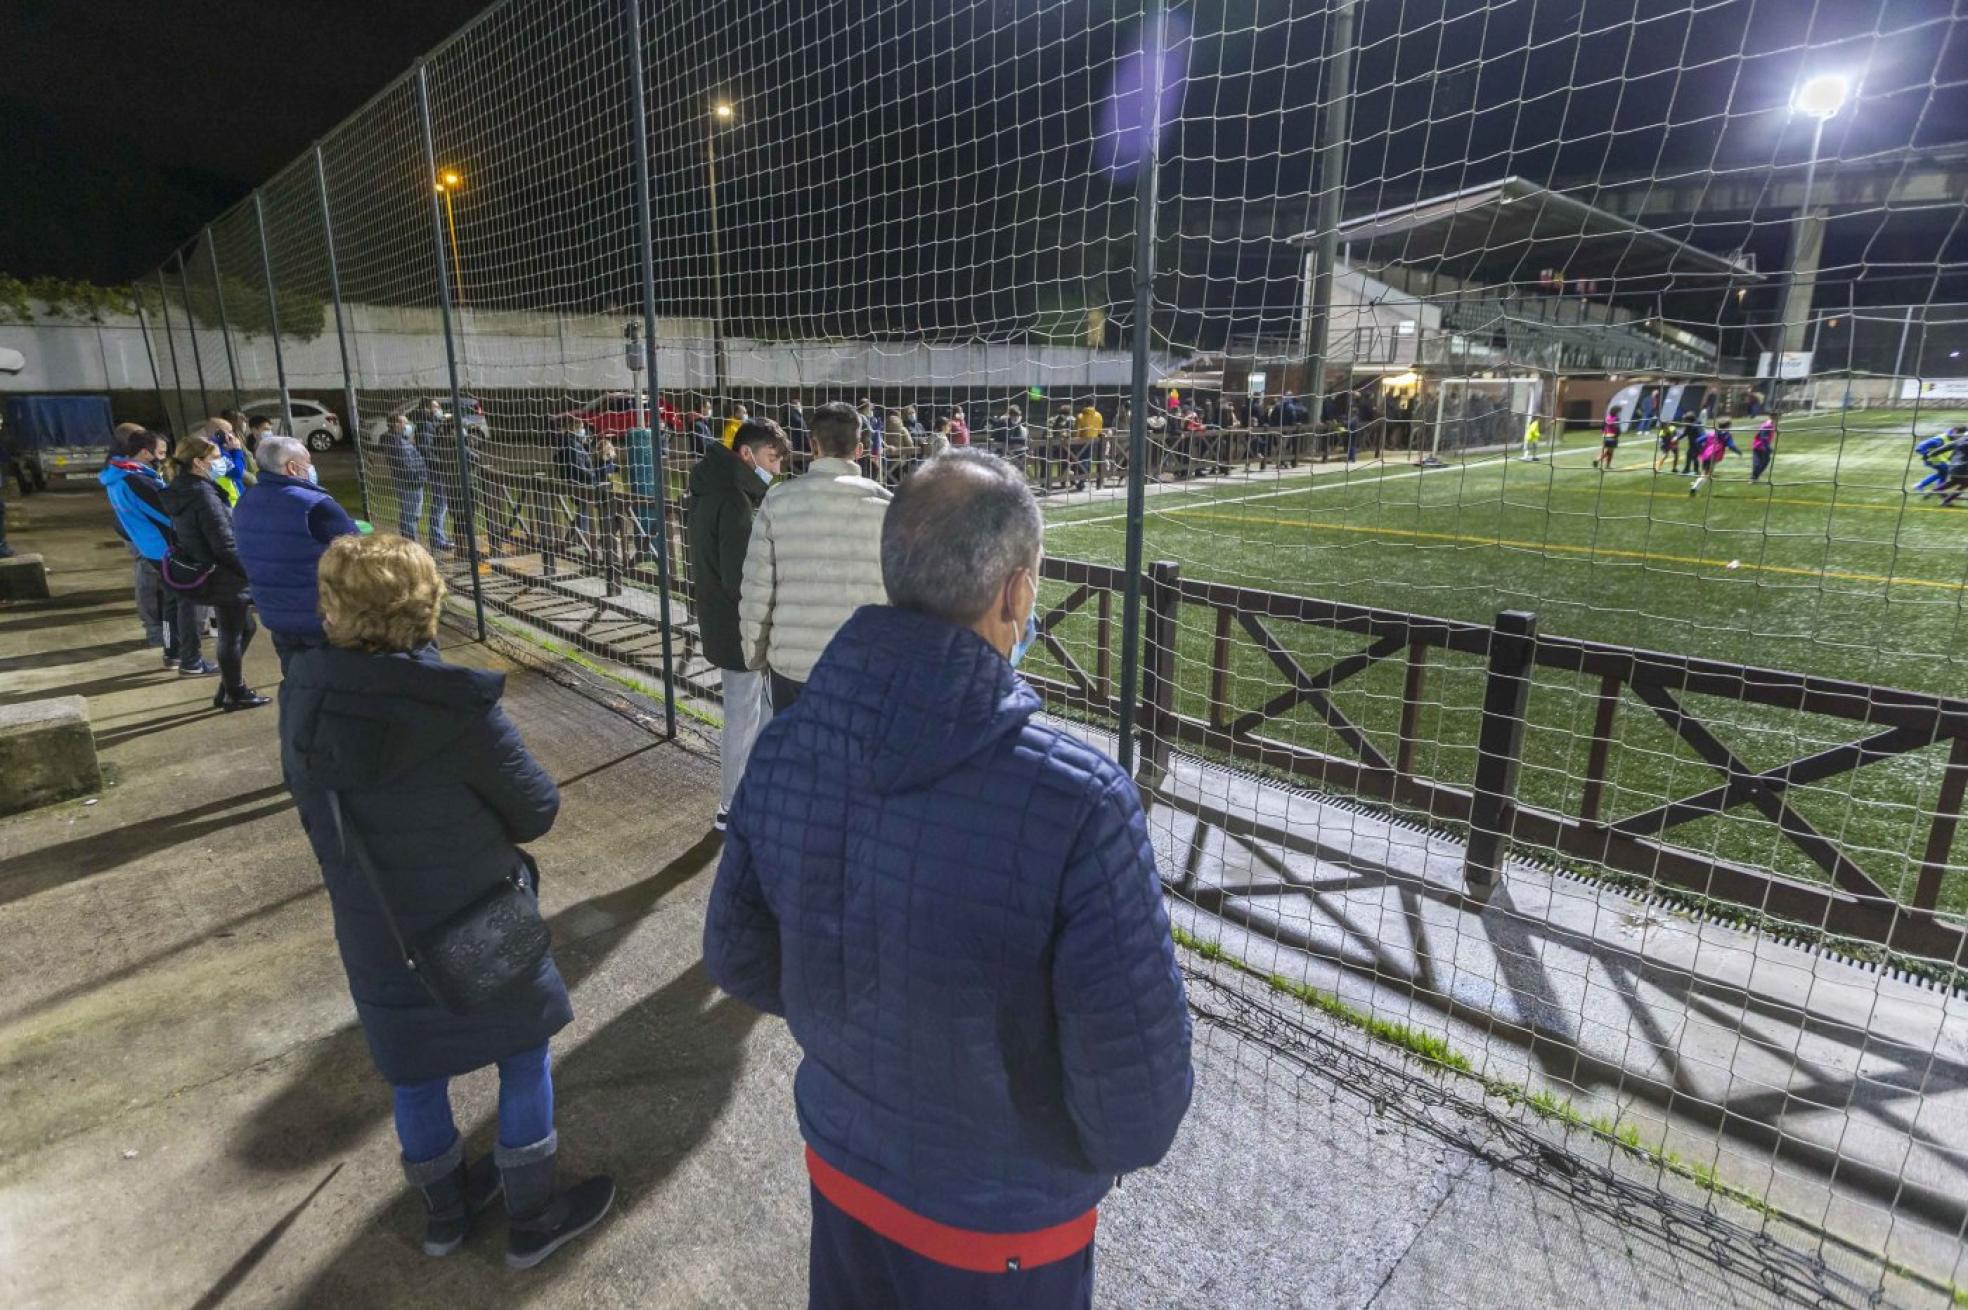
[352, 844]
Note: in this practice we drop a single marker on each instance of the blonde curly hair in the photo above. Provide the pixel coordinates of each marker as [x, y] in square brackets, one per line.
[379, 594]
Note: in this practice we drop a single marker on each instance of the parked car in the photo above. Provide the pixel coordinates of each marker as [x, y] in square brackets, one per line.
[314, 424]
[614, 412]
[475, 423]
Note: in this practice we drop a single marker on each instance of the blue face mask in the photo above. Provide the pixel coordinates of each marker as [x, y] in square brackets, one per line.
[1024, 642]
[313, 477]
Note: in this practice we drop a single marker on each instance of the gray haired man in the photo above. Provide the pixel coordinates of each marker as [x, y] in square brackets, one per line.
[284, 522]
[955, 906]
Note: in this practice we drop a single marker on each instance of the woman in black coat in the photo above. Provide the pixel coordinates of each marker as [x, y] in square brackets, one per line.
[436, 786]
[201, 522]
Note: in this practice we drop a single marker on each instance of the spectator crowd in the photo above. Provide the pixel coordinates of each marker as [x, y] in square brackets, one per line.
[953, 904]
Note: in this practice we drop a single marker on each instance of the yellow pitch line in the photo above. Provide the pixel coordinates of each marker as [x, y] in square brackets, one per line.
[1608, 552]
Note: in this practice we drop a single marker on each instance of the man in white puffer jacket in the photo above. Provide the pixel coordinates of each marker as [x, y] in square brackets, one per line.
[814, 558]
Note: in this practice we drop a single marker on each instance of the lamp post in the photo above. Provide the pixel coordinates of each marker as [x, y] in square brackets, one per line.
[1820, 99]
[721, 115]
[449, 181]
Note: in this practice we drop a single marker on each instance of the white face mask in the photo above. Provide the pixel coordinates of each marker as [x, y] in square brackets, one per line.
[765, 474]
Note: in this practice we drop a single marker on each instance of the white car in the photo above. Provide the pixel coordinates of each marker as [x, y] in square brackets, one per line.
[314, 424]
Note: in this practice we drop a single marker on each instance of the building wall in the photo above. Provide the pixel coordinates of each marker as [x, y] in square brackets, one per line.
[403, 350]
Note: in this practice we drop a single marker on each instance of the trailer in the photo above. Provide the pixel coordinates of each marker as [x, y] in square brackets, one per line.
[52, 437]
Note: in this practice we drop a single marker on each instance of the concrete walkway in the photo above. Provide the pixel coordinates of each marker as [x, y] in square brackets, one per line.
[188, 1117]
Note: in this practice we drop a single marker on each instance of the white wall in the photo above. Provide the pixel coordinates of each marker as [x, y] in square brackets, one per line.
[403, 350]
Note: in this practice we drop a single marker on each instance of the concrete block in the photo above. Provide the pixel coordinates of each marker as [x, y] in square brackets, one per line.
[23, 577]
[47, 753]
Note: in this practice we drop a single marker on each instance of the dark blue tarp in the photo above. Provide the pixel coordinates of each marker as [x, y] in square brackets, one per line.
[39, 422]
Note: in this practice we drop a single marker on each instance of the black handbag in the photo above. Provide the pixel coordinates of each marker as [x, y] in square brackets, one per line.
[475, 956]
[191, 581]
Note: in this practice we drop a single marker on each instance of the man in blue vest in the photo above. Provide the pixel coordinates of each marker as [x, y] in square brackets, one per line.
[284, 522]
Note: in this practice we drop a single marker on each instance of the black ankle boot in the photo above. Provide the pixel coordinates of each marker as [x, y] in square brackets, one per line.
[244, 698]
[544, 1220]
[453, 1192]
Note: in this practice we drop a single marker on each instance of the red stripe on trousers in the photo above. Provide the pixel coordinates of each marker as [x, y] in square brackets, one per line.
[960, 1248]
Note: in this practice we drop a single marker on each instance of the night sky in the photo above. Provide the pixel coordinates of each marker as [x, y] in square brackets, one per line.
[928, 165]
[124, 127]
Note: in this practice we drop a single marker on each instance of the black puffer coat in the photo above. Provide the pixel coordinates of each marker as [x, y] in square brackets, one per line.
[202, 523]
[436, 780]
[724, 496]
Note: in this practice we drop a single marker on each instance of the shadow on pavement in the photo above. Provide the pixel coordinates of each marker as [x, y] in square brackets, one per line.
[22, 876]
[55, 659]
[151, 677]
[246, 1263]
[336, 1097]
[634, 1100]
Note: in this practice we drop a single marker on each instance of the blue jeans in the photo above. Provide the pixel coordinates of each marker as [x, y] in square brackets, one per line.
[424, 1126]
[409, 508]
[440, 511]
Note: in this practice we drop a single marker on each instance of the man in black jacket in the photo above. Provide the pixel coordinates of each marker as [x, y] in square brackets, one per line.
[726, 488]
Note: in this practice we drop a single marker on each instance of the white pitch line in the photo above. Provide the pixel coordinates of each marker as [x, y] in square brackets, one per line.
[1309, 487]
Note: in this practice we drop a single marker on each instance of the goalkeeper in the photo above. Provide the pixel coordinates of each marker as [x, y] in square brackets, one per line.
[1933, 452]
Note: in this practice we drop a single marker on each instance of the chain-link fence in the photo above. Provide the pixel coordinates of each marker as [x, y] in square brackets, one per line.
[1507, 683]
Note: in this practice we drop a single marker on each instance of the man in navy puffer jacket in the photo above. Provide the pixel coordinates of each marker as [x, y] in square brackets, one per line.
[284, 523]
[957, 911]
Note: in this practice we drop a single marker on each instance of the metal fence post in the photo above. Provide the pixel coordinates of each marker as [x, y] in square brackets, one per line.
[170, 339]
[341, 334]
[1499, 746]
[1158, 665]
[1145, 200]
[191, 322]
[450, 348]
[273, 318]
[150, 354]
[652, 414]
[225, 329]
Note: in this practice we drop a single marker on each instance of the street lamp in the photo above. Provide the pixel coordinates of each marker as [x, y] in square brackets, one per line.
[449, 181]
[721, 115]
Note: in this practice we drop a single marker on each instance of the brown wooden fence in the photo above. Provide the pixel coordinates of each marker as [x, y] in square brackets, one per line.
[1886, 722]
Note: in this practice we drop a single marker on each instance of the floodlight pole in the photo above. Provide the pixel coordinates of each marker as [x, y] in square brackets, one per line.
[451, 351]
[1333, 123]
[1805, 248]
[341, 332]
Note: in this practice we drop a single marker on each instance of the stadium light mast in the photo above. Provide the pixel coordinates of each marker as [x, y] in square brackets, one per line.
[1819, 98]
[721, 115]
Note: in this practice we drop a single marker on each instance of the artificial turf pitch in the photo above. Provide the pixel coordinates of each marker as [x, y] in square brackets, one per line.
[1837, 570]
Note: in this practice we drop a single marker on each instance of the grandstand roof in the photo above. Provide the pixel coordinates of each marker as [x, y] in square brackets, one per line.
[1511, 231]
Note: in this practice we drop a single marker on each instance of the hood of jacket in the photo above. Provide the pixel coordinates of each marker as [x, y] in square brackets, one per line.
[720, 472]
[912, 697]
[116, 473]
[351, 719]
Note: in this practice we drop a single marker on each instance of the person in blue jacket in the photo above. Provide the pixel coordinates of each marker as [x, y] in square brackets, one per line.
[283, 524]
[956, 909]
[136, 494]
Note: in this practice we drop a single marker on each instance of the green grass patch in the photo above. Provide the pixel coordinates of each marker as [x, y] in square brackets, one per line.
[1839, 572]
